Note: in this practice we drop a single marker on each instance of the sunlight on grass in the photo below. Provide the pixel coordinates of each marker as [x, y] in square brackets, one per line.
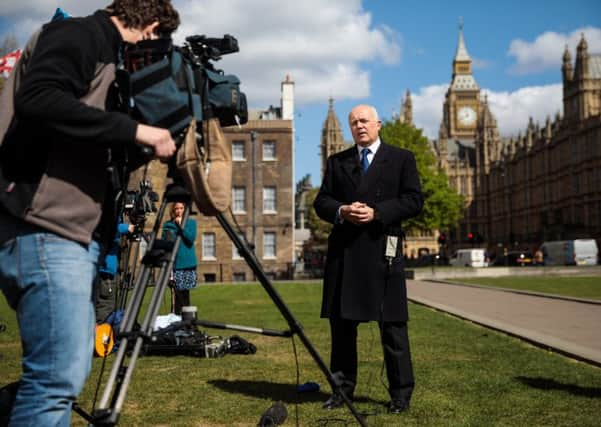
[465, 374]
[579, 287]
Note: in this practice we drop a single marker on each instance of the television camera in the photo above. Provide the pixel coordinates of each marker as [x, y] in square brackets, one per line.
[139, 203]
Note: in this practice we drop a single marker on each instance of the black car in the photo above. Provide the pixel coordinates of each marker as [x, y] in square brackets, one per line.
[431, 259]
[515, 258]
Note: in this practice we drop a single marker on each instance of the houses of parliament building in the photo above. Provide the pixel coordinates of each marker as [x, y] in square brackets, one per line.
[543, 184]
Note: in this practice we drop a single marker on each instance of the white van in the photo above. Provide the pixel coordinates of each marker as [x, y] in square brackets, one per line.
[570, 252]
[468, 258]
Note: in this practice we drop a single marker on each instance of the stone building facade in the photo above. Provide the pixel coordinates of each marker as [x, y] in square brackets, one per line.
[465, 115]
[544, 184]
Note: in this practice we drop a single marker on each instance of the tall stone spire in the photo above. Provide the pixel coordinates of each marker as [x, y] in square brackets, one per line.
[461, 53]
[332, 139]
[406, 115]
[566, 69]
[462, 66]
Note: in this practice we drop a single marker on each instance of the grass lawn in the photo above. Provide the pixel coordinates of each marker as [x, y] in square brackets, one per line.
[465, 374]
[580, 287]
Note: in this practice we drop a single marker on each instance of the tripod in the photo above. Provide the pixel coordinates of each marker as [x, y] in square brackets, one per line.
[162, 254]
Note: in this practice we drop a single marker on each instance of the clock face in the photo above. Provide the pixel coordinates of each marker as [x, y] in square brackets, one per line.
[466, 116]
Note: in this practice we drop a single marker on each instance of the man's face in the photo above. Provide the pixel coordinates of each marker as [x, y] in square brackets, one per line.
[364, 125]
[134, 35]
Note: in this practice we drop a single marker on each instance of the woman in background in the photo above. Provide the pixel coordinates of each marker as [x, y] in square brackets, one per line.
[184, 269]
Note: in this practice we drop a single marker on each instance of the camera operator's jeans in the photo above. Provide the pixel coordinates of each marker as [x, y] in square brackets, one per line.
[48, 279]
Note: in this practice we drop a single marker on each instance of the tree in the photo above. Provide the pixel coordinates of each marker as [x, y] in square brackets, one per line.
[443, 206]
[320, 229]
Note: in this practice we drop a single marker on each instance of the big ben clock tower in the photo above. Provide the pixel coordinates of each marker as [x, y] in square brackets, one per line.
[462, 101]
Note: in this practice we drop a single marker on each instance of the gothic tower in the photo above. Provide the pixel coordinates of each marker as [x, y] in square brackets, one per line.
[406, 115]
[461, 108]
[468, 143]
[581, 91]
[332, 139]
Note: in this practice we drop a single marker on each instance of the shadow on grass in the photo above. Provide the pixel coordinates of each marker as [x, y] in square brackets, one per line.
[277, 391]
[550, 384]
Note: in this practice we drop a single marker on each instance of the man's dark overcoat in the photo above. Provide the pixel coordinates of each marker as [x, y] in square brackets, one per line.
[370, 288]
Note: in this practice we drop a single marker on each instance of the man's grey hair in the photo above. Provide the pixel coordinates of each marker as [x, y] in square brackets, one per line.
[369, 107]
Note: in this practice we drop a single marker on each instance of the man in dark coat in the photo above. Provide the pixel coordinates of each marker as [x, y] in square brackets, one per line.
[366, 192]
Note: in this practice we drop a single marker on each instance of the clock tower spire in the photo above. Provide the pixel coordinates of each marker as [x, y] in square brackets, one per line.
[462, 102]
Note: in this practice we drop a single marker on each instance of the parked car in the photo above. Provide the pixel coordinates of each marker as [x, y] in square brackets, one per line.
[515, 258]
[469, 258]
[431, 259]
[570, 252]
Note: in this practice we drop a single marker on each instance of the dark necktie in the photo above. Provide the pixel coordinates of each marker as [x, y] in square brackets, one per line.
[364, 161]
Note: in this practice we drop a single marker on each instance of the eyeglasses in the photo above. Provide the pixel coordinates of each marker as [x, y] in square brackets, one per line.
[364, 122]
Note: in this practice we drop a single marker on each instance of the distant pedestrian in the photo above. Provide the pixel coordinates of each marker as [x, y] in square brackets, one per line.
[184, 269]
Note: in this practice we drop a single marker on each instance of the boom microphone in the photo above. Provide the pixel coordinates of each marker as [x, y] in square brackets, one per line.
[274, 416]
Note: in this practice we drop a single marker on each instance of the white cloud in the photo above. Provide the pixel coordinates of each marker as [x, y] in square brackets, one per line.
[546, 51]
[323, 45]
[511, 109]
[427, 108]
[42, 10]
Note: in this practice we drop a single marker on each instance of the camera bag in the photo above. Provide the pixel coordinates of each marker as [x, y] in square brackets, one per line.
[225, 98]
[206, 167]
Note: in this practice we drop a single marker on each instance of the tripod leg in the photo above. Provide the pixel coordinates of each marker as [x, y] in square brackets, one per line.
[295, 326]
[120, 376]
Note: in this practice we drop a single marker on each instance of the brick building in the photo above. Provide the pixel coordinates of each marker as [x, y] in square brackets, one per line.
[262, 197]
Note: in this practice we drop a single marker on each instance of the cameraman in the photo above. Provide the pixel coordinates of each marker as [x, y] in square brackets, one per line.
[53, 176]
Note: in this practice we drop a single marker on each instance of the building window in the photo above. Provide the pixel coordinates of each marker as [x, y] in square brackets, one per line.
[208, 245]
[210, 277]
[239, 200]
[239, 277]
[463, 186]
[238, 150]
[576, 184]
[269, 150]
[235, 253]
[269, 200]
[269, 245]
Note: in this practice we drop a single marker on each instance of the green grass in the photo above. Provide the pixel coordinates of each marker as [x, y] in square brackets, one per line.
[466, 375]
[580, 287]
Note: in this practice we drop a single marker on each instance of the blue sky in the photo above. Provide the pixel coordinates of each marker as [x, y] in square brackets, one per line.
[373, 51]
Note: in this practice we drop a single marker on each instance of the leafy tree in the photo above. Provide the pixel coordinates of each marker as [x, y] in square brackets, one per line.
[443, 206]
[320, 229]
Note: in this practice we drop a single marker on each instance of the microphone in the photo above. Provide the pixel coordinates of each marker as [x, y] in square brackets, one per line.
[274, 416]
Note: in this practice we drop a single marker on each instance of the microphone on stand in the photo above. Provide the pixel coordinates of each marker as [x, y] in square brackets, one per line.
[274, 415]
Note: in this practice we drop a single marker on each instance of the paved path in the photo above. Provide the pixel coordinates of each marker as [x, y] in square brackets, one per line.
[567, 326]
